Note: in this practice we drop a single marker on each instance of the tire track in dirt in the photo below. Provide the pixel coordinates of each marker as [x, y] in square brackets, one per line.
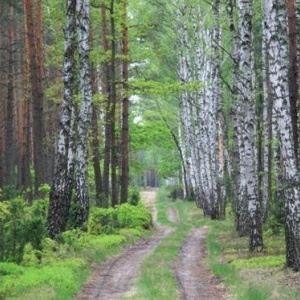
[195, 280]
[115, 278]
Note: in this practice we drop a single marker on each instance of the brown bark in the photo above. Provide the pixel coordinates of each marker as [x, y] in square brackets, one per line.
[47, 120]
[113, 102]
[293, 73]
[25, 128]
[37, 98]
[96, 157]
[9, 145]
[125, 110]
[2, 111]
[105, 79]
[95, 139]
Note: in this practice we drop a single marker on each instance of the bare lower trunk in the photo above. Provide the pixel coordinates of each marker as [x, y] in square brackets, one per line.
[248, 152]
[84, 117]
[125, 112]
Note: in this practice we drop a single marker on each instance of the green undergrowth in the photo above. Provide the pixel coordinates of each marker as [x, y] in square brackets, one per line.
[59, 268]
[157, 279]
[250, 276]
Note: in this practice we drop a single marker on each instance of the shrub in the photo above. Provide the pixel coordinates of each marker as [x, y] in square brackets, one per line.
[13, 231]
[133, 195]
[111, 220]
[35, 224]
[21, 224]
[175, 191]
[8, 268]
[130, 216]
[102, 220]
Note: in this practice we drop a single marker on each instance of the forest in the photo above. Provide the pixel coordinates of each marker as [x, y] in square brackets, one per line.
[105, 101]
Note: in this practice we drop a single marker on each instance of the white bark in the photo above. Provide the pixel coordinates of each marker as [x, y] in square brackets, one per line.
[60, 194]
[236, 121]
[267, 130]
[277, 39]
[246, 97]
[84, 117]
[201, 110]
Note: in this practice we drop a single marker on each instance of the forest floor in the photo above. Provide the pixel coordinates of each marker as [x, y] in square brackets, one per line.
[117, 277]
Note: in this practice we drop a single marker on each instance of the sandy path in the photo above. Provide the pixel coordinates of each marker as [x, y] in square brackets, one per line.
[115, 278]
[194, 279]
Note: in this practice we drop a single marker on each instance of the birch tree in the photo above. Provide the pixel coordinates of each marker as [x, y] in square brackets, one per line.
[275, 22]
[246, 98]
[72, 140]
[61, 189]
[201, 109]
[83, 29]
[241, 216]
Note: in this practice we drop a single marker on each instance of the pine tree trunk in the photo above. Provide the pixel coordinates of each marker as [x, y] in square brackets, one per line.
[105, 87]
[25, 136]
[113, 102]
[37, 99]
[96, 158]
[9, 175]
[95, 138]
[125, 110]
[293, 73]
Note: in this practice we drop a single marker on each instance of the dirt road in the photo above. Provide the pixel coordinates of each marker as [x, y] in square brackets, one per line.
[195, 281]
[116, 278]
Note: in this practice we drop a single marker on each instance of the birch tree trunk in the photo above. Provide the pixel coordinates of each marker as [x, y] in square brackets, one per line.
[60, 193]
[267, 131]
[183, 66]
[219, 118]
[240, 210]
[246, 96]
[277, 39]
[85, 113]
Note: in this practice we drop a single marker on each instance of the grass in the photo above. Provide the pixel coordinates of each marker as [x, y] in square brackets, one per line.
[221, 267]
[53, 281]
[250, 276]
